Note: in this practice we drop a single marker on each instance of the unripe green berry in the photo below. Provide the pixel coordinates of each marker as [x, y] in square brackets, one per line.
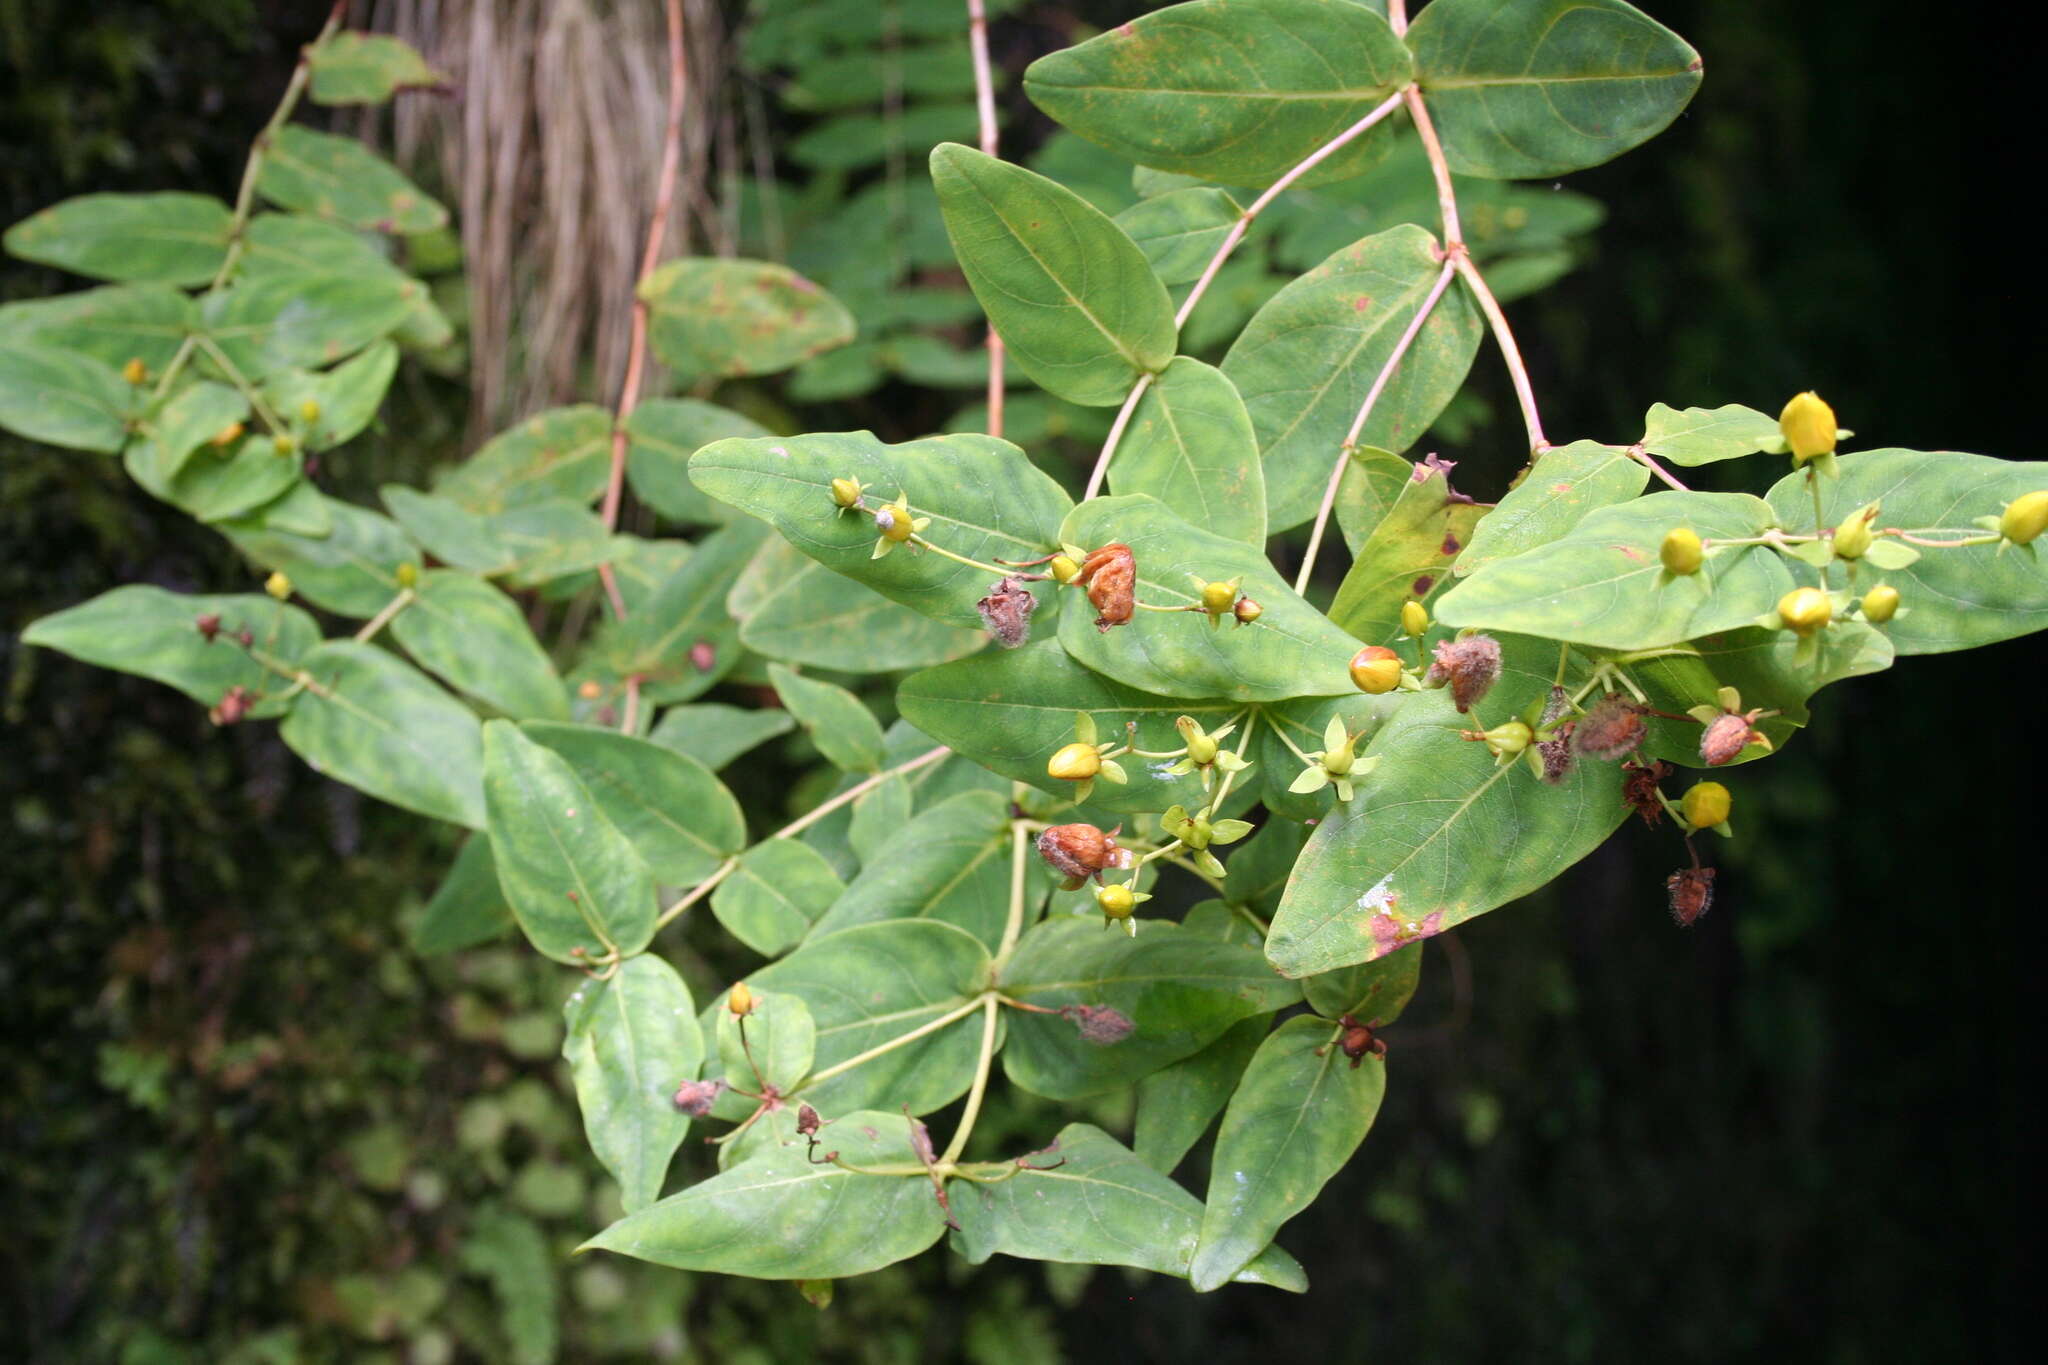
[1705, 805]
[1509, 739]
[284, 443]
[1375, 670]
[408, 574]
[2025, 518]
[1880, 604]
[1681, 551]
[1202, 748]
[1853, 537]
[1805, 610]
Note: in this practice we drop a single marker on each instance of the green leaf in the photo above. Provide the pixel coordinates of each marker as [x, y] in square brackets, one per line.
[1257, 869]
[277, 322]
[772, 1047]
[340, 178]
[1292, 651]
[512, 1252]
[1307, 359]
[451, 532]
[679, 817]
[1181, 231]
[346, 396]
[1231, 90]
[685, 618]
[198, 414]
[1086, 1200]
[984, 498]
[662, 434]
[113, 325]
[841, 725]
[1373, 992]
[951, 864]
[294, 244]
[155, 634]
[366, 68]
[1011, 710]
[574, 881]
[468, 908]
[1177, 1104]
[1297, 1116]
[1190, 445]
[1372, 483]
[1951, 599]
[1179, 990]
[712, 317]
[476, 639]
[778, 891]
[1071, 296]
[781, 1216]
[1407, 556]
[630, 1041]
[561, 453]
[302, 511]
[1704, 435]
[715, 734]
[1555, 495]
[1768, 667]
[809, 615]
[62, 398]
[222, 483]
[1522, 89]
[877, 816]
[553, 540]
[168, 238]
[353, 570]
[1603, 585]
[875, 982]
[379, 725]
[1440, 831]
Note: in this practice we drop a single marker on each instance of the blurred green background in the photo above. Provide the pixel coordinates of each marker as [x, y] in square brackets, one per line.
[240, 1120]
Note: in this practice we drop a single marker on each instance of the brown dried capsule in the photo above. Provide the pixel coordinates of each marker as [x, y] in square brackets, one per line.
[807, 1120]
[1727, 735]
[1006, 611]
[1470, 666]
[1639, 789]
[1358, 1040]
[233, 705]
[1692, 893]
[695, 1098]
[209, 626]
[1077, 852]
[1556, 757]
[1611, 731]
[1111, 576]
[1100, 1024]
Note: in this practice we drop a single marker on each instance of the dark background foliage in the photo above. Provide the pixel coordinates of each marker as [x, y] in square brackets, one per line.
[235, 1110]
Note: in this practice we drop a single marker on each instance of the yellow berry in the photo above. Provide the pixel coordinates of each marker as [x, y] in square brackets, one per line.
[1064, 569]
[408, 574]
[309, 411]
[1681, 551]
[283, 443]
[894, 523]
[1218, 598]
[135, 372]
[740, 1000]
[1414, 618]
[846, 492]
[1705, 805]
[1808, 425]
[2025, 518]
[1116, 900]
[1805, 610]
[1076, 762]
[1880, 604]
[278, 586]
[1376, 669]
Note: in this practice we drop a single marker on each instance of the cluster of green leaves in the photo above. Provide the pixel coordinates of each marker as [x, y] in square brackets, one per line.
[915, 937]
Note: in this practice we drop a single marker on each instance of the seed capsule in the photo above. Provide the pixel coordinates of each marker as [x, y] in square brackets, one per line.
[1704, 805]
[278, 586]
[1805, 610]
[740, 1000]
[1064, 569]
[1115, 900]
[846, 492]
[135, 372]
[1006, 611]
[1808, 425]
[1681, 551]
[1247, 611]
[1376, 669]
[1075, 762]
[1853, 537]
[2024, 518]
[1077, 851]
[1111, 576]
[1880, 604]
[1470, 666]
[1218, 598]
[1414, 618]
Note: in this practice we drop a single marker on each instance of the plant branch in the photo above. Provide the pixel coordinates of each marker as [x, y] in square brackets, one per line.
[382, 619]
[985, 110]
[1013, 926]
[1504, 337]
[1446, 196]
[1649, 462]
[1379, 385]
[990, 1008]
[953, 1015]
[1116, 434]
[242, 384]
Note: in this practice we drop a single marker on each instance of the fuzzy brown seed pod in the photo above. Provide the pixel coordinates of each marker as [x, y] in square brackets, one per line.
[1639, 789]
[695, 1098]
[807, 1120]
[1111, 576]
[1726, 736]
[1692, 893]
[1611, 731]
[1470, 666]
[209, 626]
[1359, 1040]
[1100, 1024]
[233, 705]
[1006, 611]
[1077, 852]
[1557, 758]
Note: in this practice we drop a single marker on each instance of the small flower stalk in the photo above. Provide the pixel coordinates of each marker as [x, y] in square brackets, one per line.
[1197, 833]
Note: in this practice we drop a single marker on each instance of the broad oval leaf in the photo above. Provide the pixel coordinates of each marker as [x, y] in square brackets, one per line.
[681, 642]
[451, 532]
[984, 498]
[1177, 1104]
[168, 237]
[630, 1040]
[378, 724]
[62, 398]
[1069, 293]
[113, 325]
[366, 68]
[710, 317]
[809, 615]
[1291, 651]
[277, 322]
[352, 570]
[1603, 585]
[1190, 445]
[1179, 990]
[1372, 483]
[680, 818]
[1373, 992]
[219, 484]
[779, 889]
[951, 864]
[561, 453]
[1768, 667]
[1527, 88]
[198, 414]
[346, 397]
[1440, 831]
[1087, 1200]
[1559, 490]
[339, 178]
[578, 886]
[1406, 558]
[771, 1047]
[715, 734]
[1307, 359]
[1298, 1114]
[468, 907]
[1703, 435]
[1231, 90]
[782, 1216]
[155, 634]
[841, 725]
[1181, 231]
[1952, 599]
[662, 434]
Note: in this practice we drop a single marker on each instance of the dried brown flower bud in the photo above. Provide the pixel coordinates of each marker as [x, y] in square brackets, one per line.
[1611, 731]
[807, 1121]
[1358, 1040]
[695, 1098]
[1111, 576]
[1006, 611]
[209, 625]
[1077, 852]
[1639, 789]
[1470, 666]
[1726, 736]
[1692, 893]
[233, 705]
[703, 656]
[1556, 755]
[1100, 1024]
